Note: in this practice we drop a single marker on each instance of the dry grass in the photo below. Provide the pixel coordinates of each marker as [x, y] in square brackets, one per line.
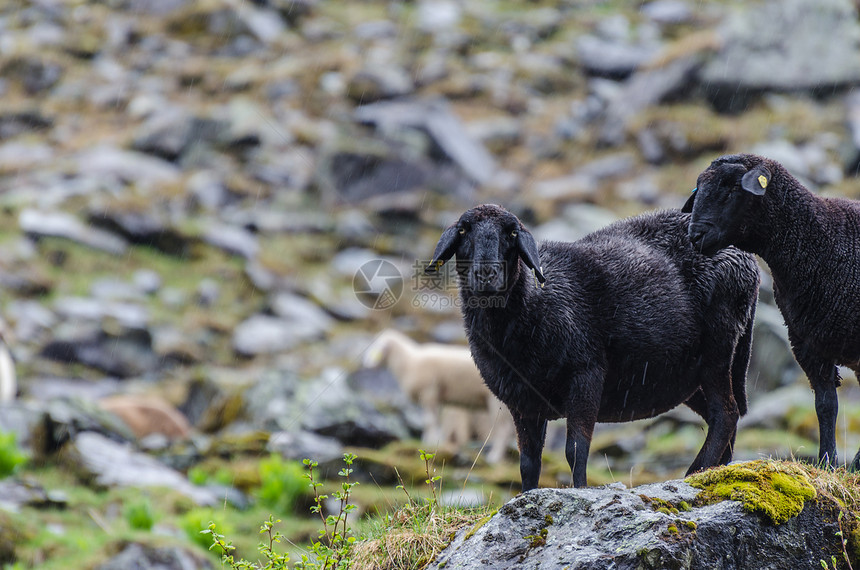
[411, 538]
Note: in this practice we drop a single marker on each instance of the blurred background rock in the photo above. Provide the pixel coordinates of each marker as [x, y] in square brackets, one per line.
[189, 191]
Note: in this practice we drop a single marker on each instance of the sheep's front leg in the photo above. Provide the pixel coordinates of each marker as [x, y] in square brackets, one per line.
[531, 432]
[826, 408]
[823, 378]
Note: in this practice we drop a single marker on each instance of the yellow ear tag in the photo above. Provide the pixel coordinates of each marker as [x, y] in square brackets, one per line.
[762, 180]
[439, 264]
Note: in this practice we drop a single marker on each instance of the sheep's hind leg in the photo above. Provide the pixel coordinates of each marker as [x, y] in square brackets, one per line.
[721, 415]
[698, 404]
[531, 432]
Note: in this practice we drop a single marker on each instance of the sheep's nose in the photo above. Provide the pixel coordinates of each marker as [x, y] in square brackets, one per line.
[697, 234]
[487, 272]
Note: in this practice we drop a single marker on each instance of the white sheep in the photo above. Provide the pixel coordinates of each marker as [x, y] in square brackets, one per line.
[438, 376]
[8, 379]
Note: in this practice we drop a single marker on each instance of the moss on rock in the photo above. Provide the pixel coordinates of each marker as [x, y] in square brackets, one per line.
[774, 489]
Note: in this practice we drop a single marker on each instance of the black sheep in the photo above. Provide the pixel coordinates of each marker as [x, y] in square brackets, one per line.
[625, 323]
[812, 247]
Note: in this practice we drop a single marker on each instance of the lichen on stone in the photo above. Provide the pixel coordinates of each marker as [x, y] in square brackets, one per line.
[775, 489]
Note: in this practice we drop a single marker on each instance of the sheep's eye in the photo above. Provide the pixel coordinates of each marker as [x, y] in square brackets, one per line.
[514, 233]
[462, 231]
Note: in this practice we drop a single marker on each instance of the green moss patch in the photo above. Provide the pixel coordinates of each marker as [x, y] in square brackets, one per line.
[774, 489]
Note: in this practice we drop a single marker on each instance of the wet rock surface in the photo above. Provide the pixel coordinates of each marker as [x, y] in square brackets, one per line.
[615, 527]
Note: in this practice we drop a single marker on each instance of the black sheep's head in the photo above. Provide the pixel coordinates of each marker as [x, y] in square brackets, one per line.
[488, 242]
[726, 202]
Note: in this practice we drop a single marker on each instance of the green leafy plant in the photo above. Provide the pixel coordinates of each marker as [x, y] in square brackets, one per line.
[139, 514]
[331, 551]
[11, 456]
[282, 483]
[274, 560]
[197, 522]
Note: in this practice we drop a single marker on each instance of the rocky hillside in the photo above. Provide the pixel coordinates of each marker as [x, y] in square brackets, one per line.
[194, 196]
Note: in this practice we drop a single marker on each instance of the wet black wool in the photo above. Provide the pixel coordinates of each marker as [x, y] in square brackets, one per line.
[623, 324]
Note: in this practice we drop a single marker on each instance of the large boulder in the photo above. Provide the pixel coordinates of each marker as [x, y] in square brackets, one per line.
[785, 45]
[774, 524]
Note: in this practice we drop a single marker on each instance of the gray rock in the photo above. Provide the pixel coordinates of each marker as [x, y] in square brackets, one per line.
[114, 288]
[809, 162]
[130, 315]
[14, 123]
[232, 239]
[126, 167]
[171, 131]
[145, 227]
[264, 334]
[67, 417]
[784, 45]
[772, 364]
[22, 155]
[248, 124]
[271, 404]
[21, 418]
[60, 224]
[613, 57]
[443, 126]
[35, 75]
[667, 11]
[31, 319]
[381, 82]
[330, 408]
[768, 410]
[208, 291]
[15, 494]
[147, 281]
[434, 16]
[208, 190]
[303, 313]
[126, 355]
[301, 445]
[613, 527]
[137, 556]
[576, 221]
[644, 89]
[46, 389]
[108, 464]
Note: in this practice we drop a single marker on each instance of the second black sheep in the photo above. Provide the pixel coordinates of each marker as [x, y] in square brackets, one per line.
[812, 247]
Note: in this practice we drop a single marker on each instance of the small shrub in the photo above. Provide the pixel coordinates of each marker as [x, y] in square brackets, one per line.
[330, 552]
[197, 522]
[139, 515]
[282, 483]
[11, 456]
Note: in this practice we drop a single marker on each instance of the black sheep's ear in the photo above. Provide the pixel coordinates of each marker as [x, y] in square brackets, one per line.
[756, 180]
[444, 249]
[688, 205]
[529, 253]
